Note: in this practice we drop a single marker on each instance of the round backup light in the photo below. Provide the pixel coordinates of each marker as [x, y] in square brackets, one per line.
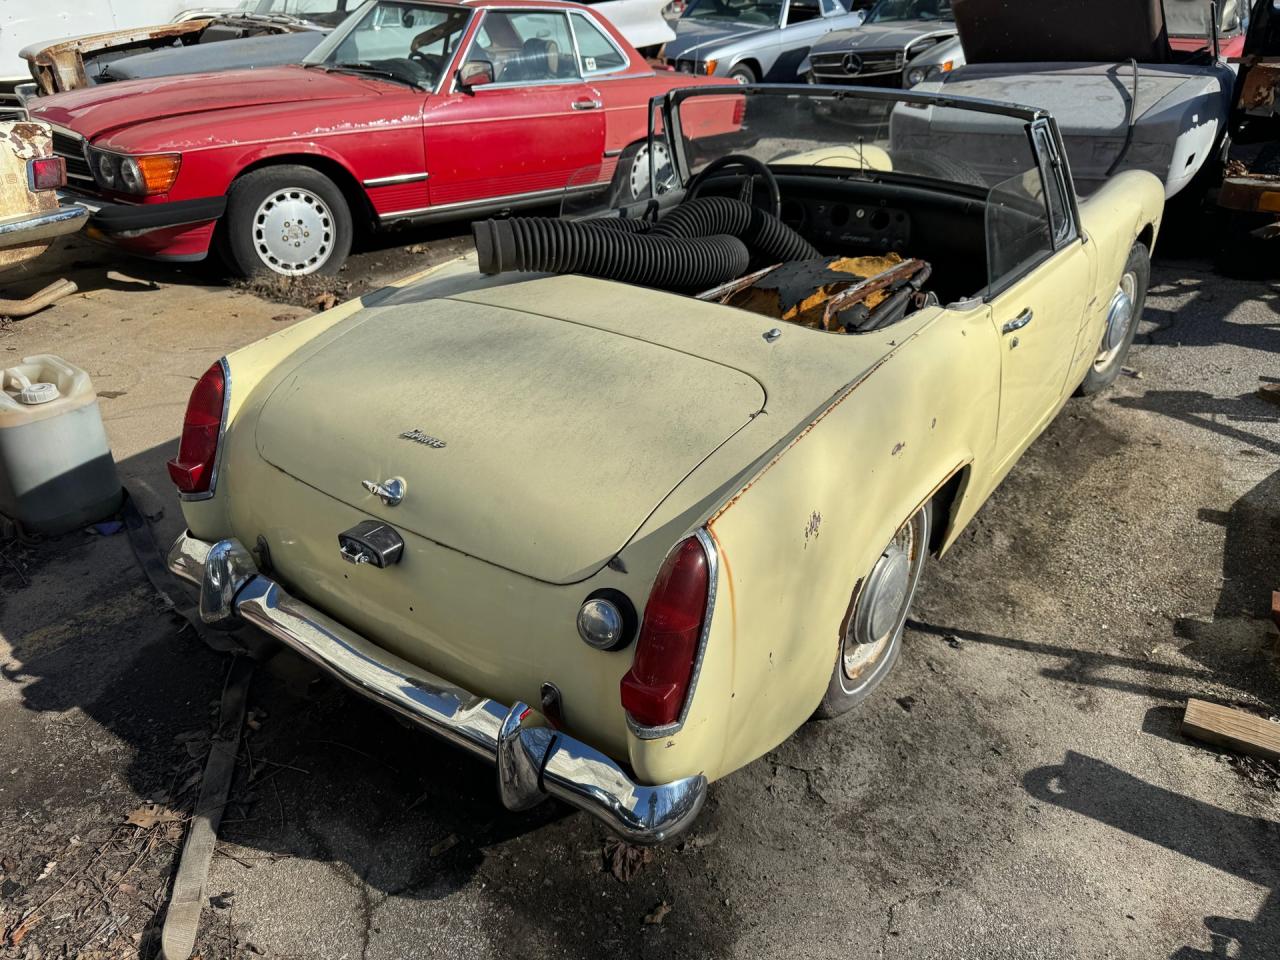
[607, 620]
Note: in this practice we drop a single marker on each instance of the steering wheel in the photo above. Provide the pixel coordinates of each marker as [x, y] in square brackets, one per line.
[429, 62]
[755, 168]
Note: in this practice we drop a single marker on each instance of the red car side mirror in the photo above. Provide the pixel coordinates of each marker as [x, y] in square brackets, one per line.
[475, 73]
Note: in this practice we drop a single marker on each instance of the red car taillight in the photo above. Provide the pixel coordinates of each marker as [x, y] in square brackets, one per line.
[192, 469]
[655, 688]
[47, 173]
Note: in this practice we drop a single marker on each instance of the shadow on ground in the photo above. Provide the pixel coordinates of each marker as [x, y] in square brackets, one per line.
[1226, 841]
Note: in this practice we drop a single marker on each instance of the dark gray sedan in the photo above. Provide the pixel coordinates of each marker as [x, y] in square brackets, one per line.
[880, 51]
[753, 40]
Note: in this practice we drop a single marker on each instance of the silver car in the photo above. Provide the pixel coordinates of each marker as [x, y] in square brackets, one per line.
[878, 53]
[753, 40]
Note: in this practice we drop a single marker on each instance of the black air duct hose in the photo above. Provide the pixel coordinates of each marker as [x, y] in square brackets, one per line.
[558, 246]
[767, 236]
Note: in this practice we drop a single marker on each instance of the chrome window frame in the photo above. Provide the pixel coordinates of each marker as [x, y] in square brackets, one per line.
[577, 51]
[355, 17]
[475, 35]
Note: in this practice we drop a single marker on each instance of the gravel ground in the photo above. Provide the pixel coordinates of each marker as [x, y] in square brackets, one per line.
[1017, 789]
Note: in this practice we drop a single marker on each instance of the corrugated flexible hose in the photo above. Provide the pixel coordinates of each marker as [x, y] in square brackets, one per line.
[699, 244]
[543, 244]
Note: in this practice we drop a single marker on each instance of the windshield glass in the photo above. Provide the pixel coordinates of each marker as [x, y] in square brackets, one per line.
[408, 43]
[1190, 18]
[763, 12]
[894, 11]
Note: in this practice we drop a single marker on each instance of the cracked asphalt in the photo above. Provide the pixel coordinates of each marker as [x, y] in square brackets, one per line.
[1017, 789]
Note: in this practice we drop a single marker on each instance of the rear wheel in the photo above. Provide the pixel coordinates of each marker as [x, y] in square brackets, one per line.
[871, 635]
[289, 220]
[631, 179]
[1123, 314]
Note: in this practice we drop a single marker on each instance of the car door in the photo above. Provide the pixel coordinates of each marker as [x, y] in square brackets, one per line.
[1041, 275]
[526, 133]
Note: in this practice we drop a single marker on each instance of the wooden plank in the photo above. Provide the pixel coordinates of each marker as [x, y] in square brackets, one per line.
[1233, 729]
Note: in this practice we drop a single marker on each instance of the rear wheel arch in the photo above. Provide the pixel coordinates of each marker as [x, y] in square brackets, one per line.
[946, 501]
[1147, 236]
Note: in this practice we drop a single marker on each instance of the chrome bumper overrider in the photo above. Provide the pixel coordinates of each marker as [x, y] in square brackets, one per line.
[531, 761]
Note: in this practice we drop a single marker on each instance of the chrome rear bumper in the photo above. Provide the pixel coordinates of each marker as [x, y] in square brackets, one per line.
[532, 762]
[46, 225]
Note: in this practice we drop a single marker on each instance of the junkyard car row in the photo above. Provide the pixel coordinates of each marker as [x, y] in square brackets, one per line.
[655, 574]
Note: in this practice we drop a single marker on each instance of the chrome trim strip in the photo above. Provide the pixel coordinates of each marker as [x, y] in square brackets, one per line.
[222, 434]
[495, 203]
[532, 761]
[397, 178]
[596, 74]
[613, 153]
[713, 573]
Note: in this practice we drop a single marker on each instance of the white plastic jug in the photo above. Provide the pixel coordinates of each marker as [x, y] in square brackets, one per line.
[56, 471]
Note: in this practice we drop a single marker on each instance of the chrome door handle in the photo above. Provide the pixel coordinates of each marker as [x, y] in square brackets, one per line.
[1020, 321]
[587, 104]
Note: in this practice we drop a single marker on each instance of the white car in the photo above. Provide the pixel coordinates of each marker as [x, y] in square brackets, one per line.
[640, 21]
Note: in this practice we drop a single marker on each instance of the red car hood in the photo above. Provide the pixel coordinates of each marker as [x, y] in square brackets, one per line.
[92, 111]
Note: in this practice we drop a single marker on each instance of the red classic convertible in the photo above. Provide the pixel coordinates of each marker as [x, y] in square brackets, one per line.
[408, 111]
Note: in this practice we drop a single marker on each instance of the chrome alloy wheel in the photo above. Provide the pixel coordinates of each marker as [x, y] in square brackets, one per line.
[874, 628]
[1120, 318]
[293, 232]
[639, 180]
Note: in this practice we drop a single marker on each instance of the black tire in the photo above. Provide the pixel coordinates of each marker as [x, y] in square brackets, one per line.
[846, 689]
[744, 73]
[1106, 366]
[323, 209]
[938, 166]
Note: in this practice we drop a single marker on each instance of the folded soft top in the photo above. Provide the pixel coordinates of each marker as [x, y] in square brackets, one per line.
[1017, 31]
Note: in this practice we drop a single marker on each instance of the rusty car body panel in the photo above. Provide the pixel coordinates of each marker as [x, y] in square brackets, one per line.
[30, 218]
[80, 61]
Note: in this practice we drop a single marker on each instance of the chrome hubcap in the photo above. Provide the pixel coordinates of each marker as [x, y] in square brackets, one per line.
[640, 170]
[1120, 318]
[293, 232]
[884, 600]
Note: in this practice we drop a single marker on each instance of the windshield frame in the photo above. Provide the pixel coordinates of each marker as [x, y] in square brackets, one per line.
[665, 108]
[319, 56]
[873, 13]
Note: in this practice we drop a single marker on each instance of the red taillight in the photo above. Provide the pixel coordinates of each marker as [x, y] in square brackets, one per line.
[654, 689]
[48, 173]
[739, 110]
[192, 469]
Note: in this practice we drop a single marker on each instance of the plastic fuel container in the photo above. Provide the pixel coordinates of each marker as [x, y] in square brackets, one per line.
[56, 471]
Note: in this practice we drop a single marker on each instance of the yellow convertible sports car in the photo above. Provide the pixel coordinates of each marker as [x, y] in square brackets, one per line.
[621, 501]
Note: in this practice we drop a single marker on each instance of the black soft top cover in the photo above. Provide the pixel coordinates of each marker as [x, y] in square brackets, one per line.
[1062, 31]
